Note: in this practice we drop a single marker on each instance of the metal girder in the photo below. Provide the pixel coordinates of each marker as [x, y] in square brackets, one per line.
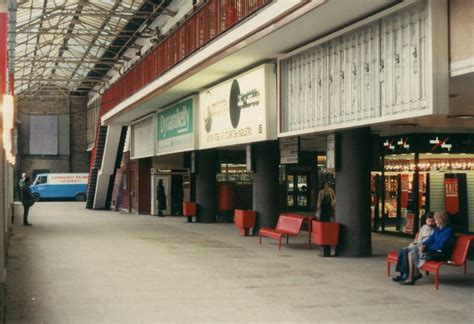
[62, 41]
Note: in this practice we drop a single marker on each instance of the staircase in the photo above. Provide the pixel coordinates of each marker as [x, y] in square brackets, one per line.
[96, 163]
[118, 160]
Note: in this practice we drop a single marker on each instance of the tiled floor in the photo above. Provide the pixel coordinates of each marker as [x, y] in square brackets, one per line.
[80, 266]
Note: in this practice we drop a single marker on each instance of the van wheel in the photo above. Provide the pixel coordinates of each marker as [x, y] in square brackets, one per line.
[81, 197]
[36, 196]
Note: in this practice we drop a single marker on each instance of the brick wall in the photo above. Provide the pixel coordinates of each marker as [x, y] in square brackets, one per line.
[73, 157]
[132, 175]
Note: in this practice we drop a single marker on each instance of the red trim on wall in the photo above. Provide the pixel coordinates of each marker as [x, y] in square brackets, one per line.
[206, 23]
[3, 51]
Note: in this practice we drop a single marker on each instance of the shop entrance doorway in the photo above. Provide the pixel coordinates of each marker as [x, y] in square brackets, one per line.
[298, 191]
[176, 183]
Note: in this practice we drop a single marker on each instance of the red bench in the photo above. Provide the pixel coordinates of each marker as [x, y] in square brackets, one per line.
[287, 225]
[458, 258]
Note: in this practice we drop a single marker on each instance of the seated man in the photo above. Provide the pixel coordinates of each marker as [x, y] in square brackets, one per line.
[402, 262]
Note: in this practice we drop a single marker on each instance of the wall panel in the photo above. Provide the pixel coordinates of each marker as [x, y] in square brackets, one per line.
[381, 71]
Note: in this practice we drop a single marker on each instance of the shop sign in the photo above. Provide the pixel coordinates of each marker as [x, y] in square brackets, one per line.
[289, 150]
[441, 143]
[405, 186]
[396, 145]
[175, 128]
[451, 195]
[445, 143]
[240, 110]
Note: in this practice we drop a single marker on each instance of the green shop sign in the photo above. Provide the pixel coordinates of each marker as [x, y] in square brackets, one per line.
[175, 121]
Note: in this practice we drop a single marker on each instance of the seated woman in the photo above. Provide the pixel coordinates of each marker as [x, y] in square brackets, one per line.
[425, 232]
[438, 247]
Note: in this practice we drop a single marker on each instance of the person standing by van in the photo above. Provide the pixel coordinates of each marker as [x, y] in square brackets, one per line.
[27, 200]
[21, 184]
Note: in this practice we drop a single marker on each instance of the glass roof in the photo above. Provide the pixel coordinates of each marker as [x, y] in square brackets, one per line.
[59, 42]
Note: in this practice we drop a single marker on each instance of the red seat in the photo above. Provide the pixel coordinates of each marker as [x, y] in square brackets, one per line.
[458, 258]
[286, 226]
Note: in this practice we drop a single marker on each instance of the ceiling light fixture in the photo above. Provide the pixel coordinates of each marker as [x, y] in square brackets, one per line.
[461, 116]
[404, 125]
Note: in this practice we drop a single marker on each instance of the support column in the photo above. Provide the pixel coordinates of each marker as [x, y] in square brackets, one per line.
[266, 193]
[353, 156]
[206, 185]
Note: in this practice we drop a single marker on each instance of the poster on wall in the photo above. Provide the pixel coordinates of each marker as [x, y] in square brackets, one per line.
[289, 150]
[175, 129]
[239, 110]
[451, 195]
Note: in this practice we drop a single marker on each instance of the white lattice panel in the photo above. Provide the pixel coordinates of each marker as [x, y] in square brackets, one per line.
[377, 71]
[143, 138]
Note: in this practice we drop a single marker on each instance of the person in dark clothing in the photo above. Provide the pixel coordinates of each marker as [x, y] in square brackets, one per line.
[326, 202]
[161, 196]
[27, 200]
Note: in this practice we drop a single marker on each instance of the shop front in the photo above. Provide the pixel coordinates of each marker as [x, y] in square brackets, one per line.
[422, 173]
[304, 167]
[171, 174]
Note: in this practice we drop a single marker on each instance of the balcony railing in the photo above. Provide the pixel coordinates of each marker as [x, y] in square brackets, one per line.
[202, 26]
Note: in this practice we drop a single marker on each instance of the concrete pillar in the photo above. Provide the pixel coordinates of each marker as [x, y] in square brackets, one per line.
[206, 185]
[266, 195]
[353, 154]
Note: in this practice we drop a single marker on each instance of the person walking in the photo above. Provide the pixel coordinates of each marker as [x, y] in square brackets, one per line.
[27, 200]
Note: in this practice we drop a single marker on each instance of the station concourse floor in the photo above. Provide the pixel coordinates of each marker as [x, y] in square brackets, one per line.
[80, 266]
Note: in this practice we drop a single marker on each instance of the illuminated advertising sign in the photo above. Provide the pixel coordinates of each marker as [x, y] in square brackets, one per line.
[175, 129]
[239, 110]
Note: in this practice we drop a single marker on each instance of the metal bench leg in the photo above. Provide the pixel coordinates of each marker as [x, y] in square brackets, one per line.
[388, 268]
[260, 239]
[279, 243]
[287, 239]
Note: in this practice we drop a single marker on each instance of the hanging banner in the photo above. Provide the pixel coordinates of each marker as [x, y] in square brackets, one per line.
[421, 189]
[404, 197]
[451, 194]
[409, 223]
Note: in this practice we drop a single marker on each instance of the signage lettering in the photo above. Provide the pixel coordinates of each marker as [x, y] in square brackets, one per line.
[175, 128]
[180, 119]
[403, 143]
[443, 144]
[451, 195]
